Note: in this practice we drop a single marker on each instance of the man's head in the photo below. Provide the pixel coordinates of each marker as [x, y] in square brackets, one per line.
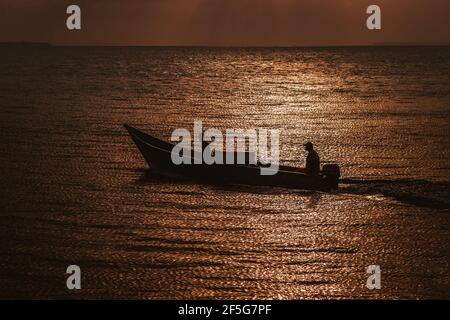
[309, 146]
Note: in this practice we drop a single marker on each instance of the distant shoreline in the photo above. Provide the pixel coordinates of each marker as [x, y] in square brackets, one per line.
[25, 44]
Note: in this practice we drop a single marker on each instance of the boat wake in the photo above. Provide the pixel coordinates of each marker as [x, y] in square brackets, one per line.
[420, 193]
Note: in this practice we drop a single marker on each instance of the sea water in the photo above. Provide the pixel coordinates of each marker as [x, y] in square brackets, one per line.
[75, 190]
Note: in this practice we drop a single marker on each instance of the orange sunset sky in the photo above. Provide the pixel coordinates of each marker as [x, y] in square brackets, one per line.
[226, 22]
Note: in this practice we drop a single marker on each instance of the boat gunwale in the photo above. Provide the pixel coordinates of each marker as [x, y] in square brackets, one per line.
[293, 172]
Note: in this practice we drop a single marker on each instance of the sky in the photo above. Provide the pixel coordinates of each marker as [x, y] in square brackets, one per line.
[225, 22]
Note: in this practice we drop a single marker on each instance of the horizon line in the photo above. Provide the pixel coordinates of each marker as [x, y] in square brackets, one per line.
[381, 44]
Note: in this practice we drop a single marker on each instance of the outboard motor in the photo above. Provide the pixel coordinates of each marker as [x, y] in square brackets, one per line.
[331, 174]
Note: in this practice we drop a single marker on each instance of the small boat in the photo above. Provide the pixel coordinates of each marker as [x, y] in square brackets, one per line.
[157, 154]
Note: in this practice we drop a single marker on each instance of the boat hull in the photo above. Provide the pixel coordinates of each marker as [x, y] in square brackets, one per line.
[157, 154]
